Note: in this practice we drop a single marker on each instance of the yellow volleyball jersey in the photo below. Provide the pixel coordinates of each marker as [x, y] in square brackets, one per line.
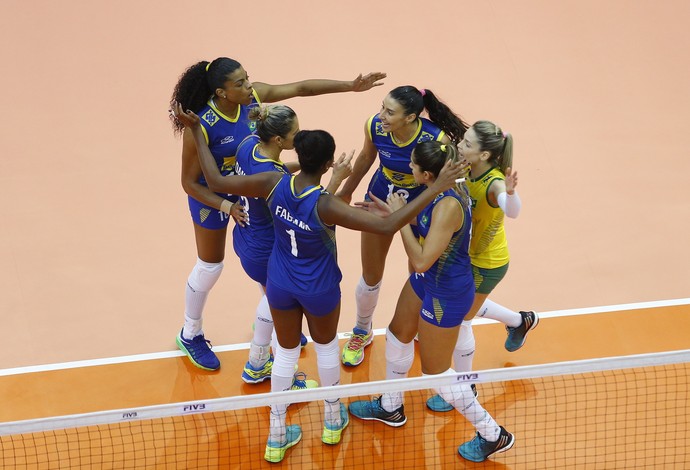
[488, 245]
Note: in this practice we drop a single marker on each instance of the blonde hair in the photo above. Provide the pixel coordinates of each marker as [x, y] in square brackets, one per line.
[499, 144]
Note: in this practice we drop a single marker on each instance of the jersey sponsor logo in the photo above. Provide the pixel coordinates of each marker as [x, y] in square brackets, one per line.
[227, 139]
[418, 275]
[384, 153]
[428, 314]
[473, 203]
[285, 215]
[210, 117]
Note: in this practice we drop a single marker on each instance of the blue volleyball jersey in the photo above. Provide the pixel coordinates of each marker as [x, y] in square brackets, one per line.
[223, 134]
[255, 239]
[451, 275]
[395, 157]
[304, 257]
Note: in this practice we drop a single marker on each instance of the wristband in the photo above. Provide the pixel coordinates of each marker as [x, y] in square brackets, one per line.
[226, 206]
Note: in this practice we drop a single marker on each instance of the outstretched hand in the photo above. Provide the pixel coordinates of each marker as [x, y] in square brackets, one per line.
[511, 180]
[187, 118]
[376, 206]
[368, 81]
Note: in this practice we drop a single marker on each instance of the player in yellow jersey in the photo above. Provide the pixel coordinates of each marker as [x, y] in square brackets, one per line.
[492, 188]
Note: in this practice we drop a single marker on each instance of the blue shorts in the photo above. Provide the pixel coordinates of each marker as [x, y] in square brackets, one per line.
[445, 313]
[207, 216]
[257, 271]
[318, 305]
[382, 187]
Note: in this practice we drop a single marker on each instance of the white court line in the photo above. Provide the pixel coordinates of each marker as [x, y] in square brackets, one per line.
[379, 331]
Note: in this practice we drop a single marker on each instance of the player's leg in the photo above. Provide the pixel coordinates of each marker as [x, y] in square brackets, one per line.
[374, 249]
[210, 244]
[388, 408]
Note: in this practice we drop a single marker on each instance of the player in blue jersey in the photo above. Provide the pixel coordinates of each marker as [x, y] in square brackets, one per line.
[433, 303]
[221, 93]
[393, 134]
[253, 235]
[303, 274]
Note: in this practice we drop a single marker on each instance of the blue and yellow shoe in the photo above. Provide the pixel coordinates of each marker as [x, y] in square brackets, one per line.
[275, 451]
[254, 376]
[479, 449]
[332, 433]
[301, 382]
[198, 349]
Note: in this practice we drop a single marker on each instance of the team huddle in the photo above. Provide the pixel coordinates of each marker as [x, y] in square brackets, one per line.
[444, 185]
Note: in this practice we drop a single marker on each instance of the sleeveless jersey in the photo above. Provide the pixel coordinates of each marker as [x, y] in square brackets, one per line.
[255, 239]
[395, 157]
[489, 246]
[451, 274]
[223, 134]
[304, 257]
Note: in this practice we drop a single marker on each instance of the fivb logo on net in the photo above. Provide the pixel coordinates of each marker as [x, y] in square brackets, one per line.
[471, 377]
[193, 408]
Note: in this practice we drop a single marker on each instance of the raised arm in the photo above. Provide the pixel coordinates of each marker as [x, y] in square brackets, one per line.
[259, 185]
[274, 93]
[333, 210]
[504, 195]
[364, 161]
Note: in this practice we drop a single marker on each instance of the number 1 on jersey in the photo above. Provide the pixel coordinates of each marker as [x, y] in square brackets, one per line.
[293, 242]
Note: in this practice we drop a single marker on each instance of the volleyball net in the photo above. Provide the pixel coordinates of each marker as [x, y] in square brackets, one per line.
[622, 412]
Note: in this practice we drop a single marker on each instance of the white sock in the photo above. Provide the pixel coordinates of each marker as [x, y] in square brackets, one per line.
[463, 354]
[461, 397]
[200, 281]
[259, 350]
[366, 298]
[399, 358]
[491, 309]
[281, 379]
[328, 362]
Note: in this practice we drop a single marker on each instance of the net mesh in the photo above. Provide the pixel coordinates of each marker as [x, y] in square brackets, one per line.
[629, 412]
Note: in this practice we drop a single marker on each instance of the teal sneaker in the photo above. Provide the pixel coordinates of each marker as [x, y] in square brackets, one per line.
[331, 433]
[518, 335]
[275, 451]
[372, 410]
[479, 449]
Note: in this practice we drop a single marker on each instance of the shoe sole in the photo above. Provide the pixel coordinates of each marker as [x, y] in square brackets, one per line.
[353, 364]
[281, 452]
[524, 339]
[184, 350]
[255, 381]
[389, 423]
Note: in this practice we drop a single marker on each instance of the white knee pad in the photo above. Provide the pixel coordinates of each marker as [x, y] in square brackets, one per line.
[204, 275]
[465, 337]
